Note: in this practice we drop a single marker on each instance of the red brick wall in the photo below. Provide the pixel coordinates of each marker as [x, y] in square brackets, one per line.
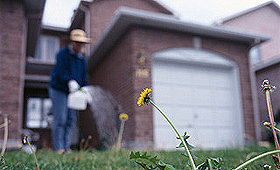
[101, 13]
[114, 74]
[117, 73]
[12, 60]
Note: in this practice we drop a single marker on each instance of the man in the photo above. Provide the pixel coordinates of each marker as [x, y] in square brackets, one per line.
[68, 75]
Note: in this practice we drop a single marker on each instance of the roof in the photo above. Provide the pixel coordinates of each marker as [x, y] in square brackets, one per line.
[162, 6]
[158, 4]
[265, 65]
[79, 14]
[126, 17]
[238, 14]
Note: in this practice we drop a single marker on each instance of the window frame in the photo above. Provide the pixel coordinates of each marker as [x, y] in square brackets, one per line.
[42, 55]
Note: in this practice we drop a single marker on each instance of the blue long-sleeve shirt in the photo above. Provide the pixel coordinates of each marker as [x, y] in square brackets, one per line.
[69, 66]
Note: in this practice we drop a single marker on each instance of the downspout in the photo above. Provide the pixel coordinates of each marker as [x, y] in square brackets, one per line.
[254, 91]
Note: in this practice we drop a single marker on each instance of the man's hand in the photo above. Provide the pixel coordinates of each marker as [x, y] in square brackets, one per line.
[73, 86]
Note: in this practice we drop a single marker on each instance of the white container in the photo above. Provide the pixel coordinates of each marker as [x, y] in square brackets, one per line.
[77, 100]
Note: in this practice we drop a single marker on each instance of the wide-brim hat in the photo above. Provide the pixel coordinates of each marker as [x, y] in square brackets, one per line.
[79, 35]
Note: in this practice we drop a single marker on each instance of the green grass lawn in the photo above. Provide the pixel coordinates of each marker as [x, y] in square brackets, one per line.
[106, 160]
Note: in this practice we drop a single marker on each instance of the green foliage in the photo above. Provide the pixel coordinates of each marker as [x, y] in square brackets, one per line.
[150, 163]
[185, 138]
[211, 164]
[92, 160]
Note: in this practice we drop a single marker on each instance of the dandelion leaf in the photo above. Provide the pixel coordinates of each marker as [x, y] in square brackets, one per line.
[185, 137]
[211, 164]
[149, 162]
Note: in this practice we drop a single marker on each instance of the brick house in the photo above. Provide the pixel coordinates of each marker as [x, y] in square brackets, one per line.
[20, 27]
[200, 75]
[263, 19]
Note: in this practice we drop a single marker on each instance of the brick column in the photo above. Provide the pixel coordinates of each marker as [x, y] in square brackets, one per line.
[12, 64]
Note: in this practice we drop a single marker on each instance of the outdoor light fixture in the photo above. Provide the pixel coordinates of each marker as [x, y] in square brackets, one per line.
[142, 58]
[142, 71]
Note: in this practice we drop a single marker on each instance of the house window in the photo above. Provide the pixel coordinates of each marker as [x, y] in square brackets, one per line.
[46, 50]
[39, 113]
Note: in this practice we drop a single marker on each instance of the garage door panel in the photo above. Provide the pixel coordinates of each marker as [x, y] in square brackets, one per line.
[162, 92]
[225, 117]
[160, 120]
[182, 94]
[175, 94]
[203, 97]
[205, 117]
[184, 116]
[200, 78]
[200, 100]
[165, 138]
[221, 78]
[227, 137]
[181, 76]
[161, 74]
[223, 98]
[215, 137]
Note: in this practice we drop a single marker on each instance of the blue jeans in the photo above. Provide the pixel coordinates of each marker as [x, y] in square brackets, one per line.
[63, 119]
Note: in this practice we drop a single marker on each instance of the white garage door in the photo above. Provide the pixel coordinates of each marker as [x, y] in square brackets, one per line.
[197, 90]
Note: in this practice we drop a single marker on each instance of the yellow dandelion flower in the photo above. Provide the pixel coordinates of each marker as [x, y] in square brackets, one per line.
[123, 117]
[144, 97]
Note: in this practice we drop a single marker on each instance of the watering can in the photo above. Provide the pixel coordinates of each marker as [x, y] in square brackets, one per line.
[78, 100]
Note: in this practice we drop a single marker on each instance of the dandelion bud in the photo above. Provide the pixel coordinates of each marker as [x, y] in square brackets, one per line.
[24, 140]
[123, 117]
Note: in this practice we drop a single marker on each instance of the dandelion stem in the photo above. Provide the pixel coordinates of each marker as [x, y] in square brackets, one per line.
[120, 136]
[5, 134]
[271, 118]
[256, 158]
[87, 141]
[33, 153]
[172, 125]
[82, 144]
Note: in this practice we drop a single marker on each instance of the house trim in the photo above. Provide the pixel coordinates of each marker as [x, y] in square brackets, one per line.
[220, 22]
[264, 65]
[126, 17]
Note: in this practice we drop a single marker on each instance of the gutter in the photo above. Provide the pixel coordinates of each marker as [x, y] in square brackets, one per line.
[264, 65]
[126, 17]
